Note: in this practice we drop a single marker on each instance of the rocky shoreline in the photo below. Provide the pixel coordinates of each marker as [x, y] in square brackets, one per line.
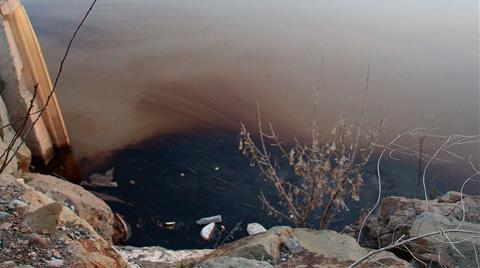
[48, 222]
[403, 218]
[38, 230]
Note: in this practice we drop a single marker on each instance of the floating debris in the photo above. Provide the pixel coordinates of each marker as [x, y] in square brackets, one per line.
[217, 169]
[123, 229]
[131, 182]
[169, 225]
[182, 174]
[208, 220]
[255, 228]
[110, 198]
[207, 231]
[100, 180]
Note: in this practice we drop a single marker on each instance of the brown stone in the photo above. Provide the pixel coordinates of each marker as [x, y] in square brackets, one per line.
[86, 205]
[37, 240]
[320, 249]
[45, 219]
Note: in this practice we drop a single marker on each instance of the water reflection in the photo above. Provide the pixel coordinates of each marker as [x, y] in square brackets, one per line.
[141, 68]
[150, 68]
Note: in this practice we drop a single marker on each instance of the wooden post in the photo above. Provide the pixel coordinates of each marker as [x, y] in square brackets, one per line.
[34, 69]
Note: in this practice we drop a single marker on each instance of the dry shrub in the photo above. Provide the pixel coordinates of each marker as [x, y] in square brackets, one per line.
[326, 170]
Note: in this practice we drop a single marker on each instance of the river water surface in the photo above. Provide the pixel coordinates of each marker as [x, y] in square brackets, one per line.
[163, 73]
[143, 67]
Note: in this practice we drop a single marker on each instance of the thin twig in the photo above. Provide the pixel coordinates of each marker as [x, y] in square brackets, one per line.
[375, 252]
[8, 150]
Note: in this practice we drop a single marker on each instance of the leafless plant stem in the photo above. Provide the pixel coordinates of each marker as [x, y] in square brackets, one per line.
[401, 243]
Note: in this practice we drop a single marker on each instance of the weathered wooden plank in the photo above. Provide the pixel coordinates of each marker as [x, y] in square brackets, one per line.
[33, 70]
[39, 74]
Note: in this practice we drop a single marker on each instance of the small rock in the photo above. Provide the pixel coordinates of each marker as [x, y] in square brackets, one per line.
[54, 263]
[8, 264]
[4, 215]
[16, 204]
[208, 220]
[56, 254]
[207, 231]
[24, 228]
[450, 197]
[255, 228]
[46, 218]
[5, 226]
[37, 240]
[293, 245]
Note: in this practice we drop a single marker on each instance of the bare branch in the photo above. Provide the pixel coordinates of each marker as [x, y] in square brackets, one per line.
[401, 243]
[50, 95]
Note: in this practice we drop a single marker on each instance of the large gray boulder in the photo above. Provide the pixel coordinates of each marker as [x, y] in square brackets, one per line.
[327, 248]
[461, 255]
[400, 217]
[396, 215]
[319, 249]
[83, 203]
[263, 246]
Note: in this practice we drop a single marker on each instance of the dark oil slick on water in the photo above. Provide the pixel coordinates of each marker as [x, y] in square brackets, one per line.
[176, 180]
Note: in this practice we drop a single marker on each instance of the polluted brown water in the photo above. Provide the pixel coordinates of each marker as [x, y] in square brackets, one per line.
[146, 79]
[142, 68]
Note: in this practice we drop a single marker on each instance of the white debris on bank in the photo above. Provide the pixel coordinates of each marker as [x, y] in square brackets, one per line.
[207, 231]
[207, 220]
[255, 228]
[140, 257]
